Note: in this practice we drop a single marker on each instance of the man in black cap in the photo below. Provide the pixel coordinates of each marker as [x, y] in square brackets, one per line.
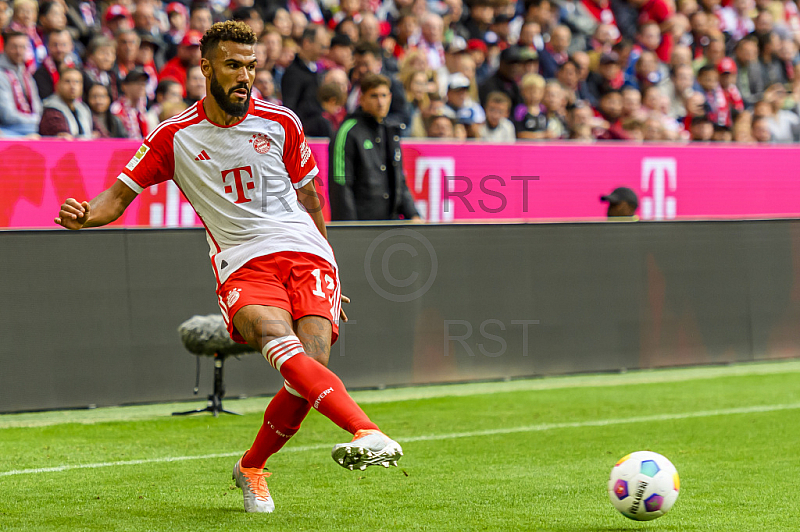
[622, 202]
[131, 107]
[505, 79]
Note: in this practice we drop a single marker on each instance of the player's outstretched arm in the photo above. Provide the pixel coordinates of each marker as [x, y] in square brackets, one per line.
[103, 209]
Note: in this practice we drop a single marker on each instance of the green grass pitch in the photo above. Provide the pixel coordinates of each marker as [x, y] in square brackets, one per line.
[520, 455]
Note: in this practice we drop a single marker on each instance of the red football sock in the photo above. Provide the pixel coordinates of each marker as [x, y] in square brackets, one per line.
[282, 420]
[319, 385]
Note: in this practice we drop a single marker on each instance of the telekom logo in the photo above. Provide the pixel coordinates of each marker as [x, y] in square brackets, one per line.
[434, 209]
[242, 179]
[659, 176]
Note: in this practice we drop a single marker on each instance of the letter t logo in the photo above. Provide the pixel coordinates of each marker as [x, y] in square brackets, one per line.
[242, 179]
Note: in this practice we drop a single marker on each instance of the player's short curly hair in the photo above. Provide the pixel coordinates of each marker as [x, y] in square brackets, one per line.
[233, 31]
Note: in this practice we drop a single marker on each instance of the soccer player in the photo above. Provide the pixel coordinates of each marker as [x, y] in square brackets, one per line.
[247, 170]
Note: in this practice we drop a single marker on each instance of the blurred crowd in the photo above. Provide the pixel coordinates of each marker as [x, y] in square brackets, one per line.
[493, 70]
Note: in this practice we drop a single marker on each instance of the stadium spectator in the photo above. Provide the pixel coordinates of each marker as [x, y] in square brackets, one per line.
[251, 17]
[504, 79]
[64, 114]
[761, 130]
[340, 54]
[127, 42]
[167, 90]
[60, 55]
[610, 110]
[367, 60]
[144, 20]
[178, 18]
[366, 165]
[131, 107]
[468, 113]
[116, 18]
[430, 42]
[556, 52]
[195, 85]
[332, 98]
[188, 56]
[608, 76]
[99, 67]
[532, 124]
[497, 128]
[784, 125]
[622, 202]
[300, 82]
[265, 85]
[104, 124]
[554, 103]
[20, 106]
[701, 129]
[146, 57]
[24, 21]
[200, 18]
[52, 17]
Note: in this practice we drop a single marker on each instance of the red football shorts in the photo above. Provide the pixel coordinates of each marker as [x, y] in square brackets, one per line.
[302, 284]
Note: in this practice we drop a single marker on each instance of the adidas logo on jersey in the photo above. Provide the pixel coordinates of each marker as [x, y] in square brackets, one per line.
[203, 156]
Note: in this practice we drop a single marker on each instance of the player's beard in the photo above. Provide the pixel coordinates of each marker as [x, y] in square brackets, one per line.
[223, 99]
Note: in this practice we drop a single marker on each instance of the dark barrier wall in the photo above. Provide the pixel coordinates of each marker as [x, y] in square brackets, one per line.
[90, 317]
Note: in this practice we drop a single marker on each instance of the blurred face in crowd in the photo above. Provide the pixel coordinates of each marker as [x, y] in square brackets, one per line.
[339, 77]
[727, 79]
[417, 86]
[288, 51]
[495, 111]
[59, 44]
[5, 13]
[582, 60]
[457, 98]
[70, 86]
[568, 75]
[261, 54]
[299, 24]
[127, 47]
[200, 19]
[441, 127]
[652, 98]
[342, 56]
[703, 131]
[366, 64]
[532, 94]
[647, 67]
[432, 28]
[650, 36]
[368, 28]
[406, 28]
[99, 100]
[55, 19]
[560, 39]
[104, 58]
[715, 51]
[350, 7]
[482, 14]
[273, 42]
[25, 13]
[541, 14]
[195, 84]
[695, 104]
[683, 80]
[746, 52]
[606, 34]
[742, 6]
[681, 55]
[376, 102]
[764, 23]
[653, 130]
[144, 18]
[315, 48]
[553, 96]
[582, 116]
[135, 90]
[177, 21]
[687, 7]
[256, 23]
[775, 95]
[283, 22]
[609, 71]
[529, 32]
[699, 21]
[189, 55]
[611, 105]
[709, 80]
[264, 83]
[631, 101]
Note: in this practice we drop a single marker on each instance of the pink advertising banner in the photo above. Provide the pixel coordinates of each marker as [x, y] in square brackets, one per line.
[451, 182]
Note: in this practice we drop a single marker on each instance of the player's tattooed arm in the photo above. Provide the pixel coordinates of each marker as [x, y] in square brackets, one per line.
[103, 209]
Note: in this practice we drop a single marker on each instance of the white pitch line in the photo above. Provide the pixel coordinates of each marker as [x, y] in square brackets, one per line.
[435, 437]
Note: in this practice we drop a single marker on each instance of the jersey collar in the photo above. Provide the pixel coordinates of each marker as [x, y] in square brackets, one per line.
[202, 113]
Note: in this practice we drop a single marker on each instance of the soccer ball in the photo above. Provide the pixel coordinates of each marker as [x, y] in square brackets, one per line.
[643, 485]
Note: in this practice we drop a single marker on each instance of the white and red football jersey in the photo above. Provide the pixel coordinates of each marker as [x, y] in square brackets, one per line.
[241, 180]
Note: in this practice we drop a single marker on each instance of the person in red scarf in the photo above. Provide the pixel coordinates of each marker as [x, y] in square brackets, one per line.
[720, 111]
[60, 48]
[131, 108]
[727, 81]
[188, 56]
[99, 66]
[24, 21]
[20, 106]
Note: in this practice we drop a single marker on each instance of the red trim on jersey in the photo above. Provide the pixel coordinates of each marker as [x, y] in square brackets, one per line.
[267, 107]
[201, 110]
